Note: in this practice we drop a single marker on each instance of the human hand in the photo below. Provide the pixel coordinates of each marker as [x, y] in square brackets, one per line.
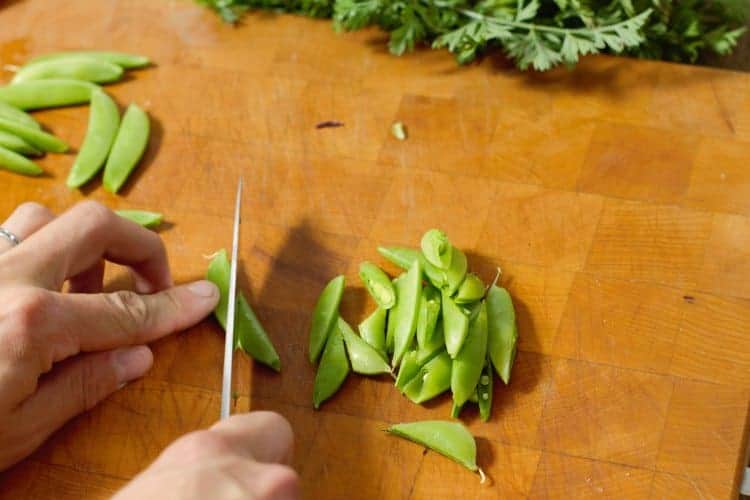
[240, 457]
[62, 353]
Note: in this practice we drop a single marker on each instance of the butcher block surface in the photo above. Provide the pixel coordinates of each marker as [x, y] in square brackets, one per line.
[615, 198]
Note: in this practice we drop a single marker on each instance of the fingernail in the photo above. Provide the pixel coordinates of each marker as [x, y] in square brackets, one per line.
[203, 288]
[132, 362]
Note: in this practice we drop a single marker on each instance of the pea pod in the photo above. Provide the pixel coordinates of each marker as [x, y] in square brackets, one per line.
[502, 331]
[467, 365]
[14, 162]
[14, 114]
[142, 217]
[437, 249]
[372, 329]
[429, 313]
[363, 357]
[408, 370]
[37, 138]
[435, 344]
[405, 257]
[127, 149]
[378, 284]
[104, 120]
[433, 379]
[39, 94]
[332, 370]
[391, 326]
[456, 272]
[455, 325]
[250, 336]
[484, 391]
[122, 59]
[325, 316]
[471, 290]
[18, 145]
[409, 291]
[456, 409]
[450, 439]
[75, 68]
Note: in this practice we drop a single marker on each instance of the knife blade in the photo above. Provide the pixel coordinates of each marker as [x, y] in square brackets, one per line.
[226, 385]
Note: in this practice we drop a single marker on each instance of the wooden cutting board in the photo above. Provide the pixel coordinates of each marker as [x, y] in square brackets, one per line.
[615, 198]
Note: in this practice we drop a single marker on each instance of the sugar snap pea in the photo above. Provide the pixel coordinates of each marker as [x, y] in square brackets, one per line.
[250, 336]
[456, 272]
[450, 439]
[372, 329]
[408, 295]
[37, 138]
[75, 68]
[364, 358]
[429, 313]
[408, 370]
[471, 290]
[455, 325]
[467, 365]
[10, 160]
[104, 119]
[142, 217]
[129, 145]
[122, 59]
[14, 114]
[15, 143]
[502, 331]
[378, 284]
[39, 94]
[433, 379]
[435, 344]
[332, 370]
[325, 316]
[437, 249]
[405, 257]
[484, 391]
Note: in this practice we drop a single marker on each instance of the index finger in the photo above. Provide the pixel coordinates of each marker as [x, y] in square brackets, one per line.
[82, 236]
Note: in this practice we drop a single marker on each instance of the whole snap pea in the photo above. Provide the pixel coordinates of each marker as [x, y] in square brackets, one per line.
[429, 312]
[363, 357]
[14, 114]
[450, 439]
[250, 336]
[467, 365]
[502, 331]
[325, 316]
[433, 379]
[143, 218]
[18, 145]
[456, 272]
[408, 370]
[129, 145]
[104, 119]
[39, 94]
[14, 162]
[35, 137]
[332, 370]
[484, 391]
[122, 59]
[75, 68]
[471, 290]
[409, 292]
[405, 257]
[378, 284]
[437, 249]
[372, 329]
[455, 325]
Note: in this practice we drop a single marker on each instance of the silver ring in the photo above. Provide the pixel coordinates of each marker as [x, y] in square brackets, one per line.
[14, 240]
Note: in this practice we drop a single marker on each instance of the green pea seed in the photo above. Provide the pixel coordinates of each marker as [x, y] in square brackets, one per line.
[18, 145]
[74, 68]
[456, 272]
[433, 379]
[325, 316]
[39, 94]
[363, 357]
[104, 119]
[484, 392]
[455, 325]
[10, 160]
[142, 217]
[122, 59]
[408, 370]
[437, 248]
[37, 138]
[471, 290]
[450, 439]
[408, 296]
[467, 365]
[333, 369]
[378, 284]
[372, 329]
[129, 145]
[502, 330]
[14, 114]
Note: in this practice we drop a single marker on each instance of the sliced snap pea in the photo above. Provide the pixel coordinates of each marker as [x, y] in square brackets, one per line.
[363, 357]
[325, 316]
[39, 94]
[429, 313]
[393, 313]
[405, 257]
[122, 59]
[455, 325]
[467, 365]
[437, 248]
[14, 162]
[142, 217]
[408, 296]
[435, 344]
[450, 439]
[18, 145]
[372, 329]
[378, 284]
[502, 330]
[456, 272]
[75, 68]
[35, 137]
[484, 391]
[14, 114]
[433, 379]
[332, 370]
[250, 336]
[471, 290]
[129, 145]
[408, 370]
[456, 409]
[104, 119]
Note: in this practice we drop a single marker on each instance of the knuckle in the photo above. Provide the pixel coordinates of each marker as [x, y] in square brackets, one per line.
[278, 482]
[33, 210]
[95, 215]
[200, 445]
[21, 318]
[88, 386]
[130, 310]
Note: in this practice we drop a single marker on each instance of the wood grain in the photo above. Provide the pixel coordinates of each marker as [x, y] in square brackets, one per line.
[614, 198]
